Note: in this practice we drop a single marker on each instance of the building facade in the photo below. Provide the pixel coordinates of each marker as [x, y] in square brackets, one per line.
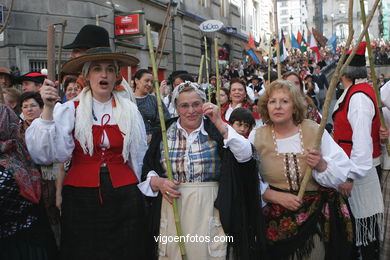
[24, 41]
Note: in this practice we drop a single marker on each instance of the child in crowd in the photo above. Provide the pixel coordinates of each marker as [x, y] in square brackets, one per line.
[242, 121]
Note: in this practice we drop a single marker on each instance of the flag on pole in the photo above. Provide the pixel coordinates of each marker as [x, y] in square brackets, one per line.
[332, 43]
[302, 45]
[314, 47]
[264, 45]
[282, 48]
[299, 37]
[288, 42]
[251, 41]
[294, 42]
[321, 39]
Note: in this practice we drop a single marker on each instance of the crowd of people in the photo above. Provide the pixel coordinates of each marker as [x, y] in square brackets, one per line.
[84, 172]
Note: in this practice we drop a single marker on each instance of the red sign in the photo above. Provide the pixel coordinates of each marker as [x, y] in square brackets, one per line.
[127, 25]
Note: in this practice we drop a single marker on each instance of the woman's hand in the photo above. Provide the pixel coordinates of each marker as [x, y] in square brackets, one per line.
[346, 188]
[49, 93]
[164, 88]
[212, 111]
[315, 160]
[383, 133]
[167, 188]
[285, 199]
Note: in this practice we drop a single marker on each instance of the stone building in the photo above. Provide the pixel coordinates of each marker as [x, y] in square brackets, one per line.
[24, 41]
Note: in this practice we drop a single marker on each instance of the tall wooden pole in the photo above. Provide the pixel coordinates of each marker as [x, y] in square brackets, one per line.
[270, 48]
[335, 78]
[200, 70]
[51, 56]
[217, 72]
[277, 38]
[165, 141]
[207, 68]
[63, 25]
[373, 76]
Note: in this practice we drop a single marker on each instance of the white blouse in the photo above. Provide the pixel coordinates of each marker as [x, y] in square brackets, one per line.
[51, 141]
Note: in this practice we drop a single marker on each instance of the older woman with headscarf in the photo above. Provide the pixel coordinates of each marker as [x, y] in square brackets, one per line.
[102, 132]
[215, 181]
[319, 226]
[24, 228]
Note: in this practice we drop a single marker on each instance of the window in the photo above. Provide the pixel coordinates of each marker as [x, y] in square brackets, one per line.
[223, 8]
[203, 3]
[284, 12]
[243, 16]
[254, 20]
[284, 4]
[37, 65]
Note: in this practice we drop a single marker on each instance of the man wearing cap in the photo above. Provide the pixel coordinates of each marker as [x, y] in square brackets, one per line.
[90, 36]
[31, 81]
[5, 78]
[356, 130]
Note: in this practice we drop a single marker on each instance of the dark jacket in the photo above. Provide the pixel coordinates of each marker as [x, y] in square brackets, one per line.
[237, 201]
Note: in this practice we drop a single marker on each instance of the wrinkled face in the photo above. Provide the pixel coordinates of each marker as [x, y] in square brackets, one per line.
[237, 93]
[295, 80]
[241, 127]
[145, 84]
[189, 108]
[31, 109]
[71, 91]
[5, 81]
[101, 77]
[223, 98]
[280, 107]
[30, 86]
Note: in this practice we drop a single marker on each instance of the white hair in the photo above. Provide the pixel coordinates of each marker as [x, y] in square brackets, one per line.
[185, 85]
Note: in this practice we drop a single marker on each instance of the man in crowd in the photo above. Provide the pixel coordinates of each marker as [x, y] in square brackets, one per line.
[356, 130]
[31, 81]
[5, 78]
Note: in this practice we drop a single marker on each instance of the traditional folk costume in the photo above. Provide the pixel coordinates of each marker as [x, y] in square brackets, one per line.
[24, 228]
[103, 214]
[385, 161]
[321, 228]
[356, 130]
[219, 192]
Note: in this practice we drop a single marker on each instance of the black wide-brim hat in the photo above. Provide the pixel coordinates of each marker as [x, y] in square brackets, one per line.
[74, 66]
[90, 36]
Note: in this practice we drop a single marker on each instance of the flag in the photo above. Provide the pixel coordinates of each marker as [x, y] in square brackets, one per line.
[299, 37]
[252, 52]
[302, 45]
[294, 42]
[321, 39]
[332, 43]
[254, 56]
[282, 48]
[288, 42]
[251, 41]
[264, 45]
[314, 47]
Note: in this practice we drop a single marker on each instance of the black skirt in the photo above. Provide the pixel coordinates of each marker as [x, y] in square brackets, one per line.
[103, 223]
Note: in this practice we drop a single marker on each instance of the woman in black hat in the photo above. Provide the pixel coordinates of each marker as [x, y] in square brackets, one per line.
[102, 132]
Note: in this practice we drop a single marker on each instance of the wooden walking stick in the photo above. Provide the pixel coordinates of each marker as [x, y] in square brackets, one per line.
[165, 142]
[63, 25]
[217, 73]
[207, 68]
[51, 56]
[335, 78]
[277, 39]
[200, 70]
[373, 77]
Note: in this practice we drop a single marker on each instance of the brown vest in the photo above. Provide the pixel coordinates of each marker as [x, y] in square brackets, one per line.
[285, 170]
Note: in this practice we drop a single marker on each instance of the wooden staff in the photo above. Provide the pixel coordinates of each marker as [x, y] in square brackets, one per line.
[270, 49]
[336, 77]
[373, 77]
[200, 70]
[217, 73]
[63, 25]
[277, 39]
[207, 68]
[51, 58]
[165, 142]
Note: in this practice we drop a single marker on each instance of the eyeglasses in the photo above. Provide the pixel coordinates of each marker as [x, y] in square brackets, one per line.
[186, 106]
